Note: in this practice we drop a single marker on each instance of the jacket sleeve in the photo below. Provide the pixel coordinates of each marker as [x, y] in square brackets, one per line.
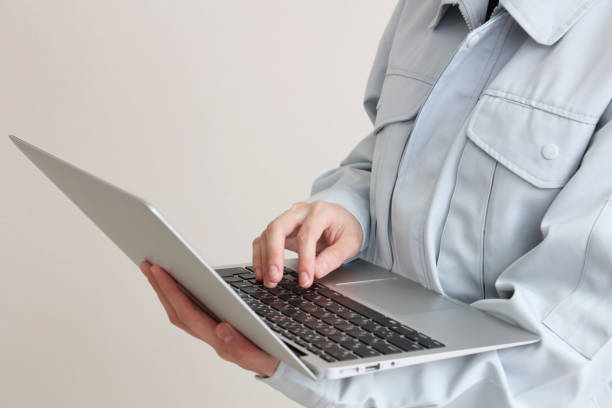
[561, 290]
[349, 184]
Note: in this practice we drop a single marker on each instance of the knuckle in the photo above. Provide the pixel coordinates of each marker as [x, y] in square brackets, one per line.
[273, 226]
[256, 241]
[303, 235]
[296, 206]
[318, 206]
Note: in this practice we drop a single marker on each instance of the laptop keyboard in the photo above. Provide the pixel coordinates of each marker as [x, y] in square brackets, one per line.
[326, 323]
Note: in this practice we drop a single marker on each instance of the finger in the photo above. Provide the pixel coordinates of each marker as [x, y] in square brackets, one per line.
[201, 324]
[269, 276]
[307, 238]
[172, 315]
[257, 258]
[233, 346]
[333, 256]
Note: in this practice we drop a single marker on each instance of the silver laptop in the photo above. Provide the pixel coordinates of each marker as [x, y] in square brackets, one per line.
[358, 319]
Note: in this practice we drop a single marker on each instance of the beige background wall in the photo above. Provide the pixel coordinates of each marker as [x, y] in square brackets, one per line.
[219, 112]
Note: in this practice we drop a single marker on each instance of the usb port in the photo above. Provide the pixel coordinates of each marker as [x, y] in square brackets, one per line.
[372, 367]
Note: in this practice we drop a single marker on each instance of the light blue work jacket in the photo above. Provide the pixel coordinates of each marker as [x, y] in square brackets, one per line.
[488, 178]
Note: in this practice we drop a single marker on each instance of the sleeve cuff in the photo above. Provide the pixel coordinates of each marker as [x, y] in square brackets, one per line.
[294, 385]
[353, 203]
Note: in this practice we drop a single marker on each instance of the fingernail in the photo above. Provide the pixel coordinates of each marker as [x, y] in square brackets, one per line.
[274, 272]
[303, 278]
[225, 333]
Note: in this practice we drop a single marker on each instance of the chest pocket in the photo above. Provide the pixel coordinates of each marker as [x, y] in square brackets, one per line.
[401, 97]
[539, 145]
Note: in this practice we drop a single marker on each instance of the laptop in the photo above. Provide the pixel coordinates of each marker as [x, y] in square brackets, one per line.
[358, 319]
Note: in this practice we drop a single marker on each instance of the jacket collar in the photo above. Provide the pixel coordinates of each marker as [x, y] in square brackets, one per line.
[546, 21]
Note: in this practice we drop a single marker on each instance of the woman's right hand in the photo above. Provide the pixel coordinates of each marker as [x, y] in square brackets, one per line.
[323, 234]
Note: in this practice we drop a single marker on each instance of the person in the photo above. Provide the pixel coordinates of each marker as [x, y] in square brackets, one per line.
[486, 177]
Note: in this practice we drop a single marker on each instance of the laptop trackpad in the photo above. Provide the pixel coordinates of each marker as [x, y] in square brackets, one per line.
[394, 296]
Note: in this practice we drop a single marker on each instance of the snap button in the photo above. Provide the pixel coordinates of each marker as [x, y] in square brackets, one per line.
[550, 151]
[472, 41]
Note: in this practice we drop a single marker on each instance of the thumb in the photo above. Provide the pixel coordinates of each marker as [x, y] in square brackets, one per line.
[333, 256]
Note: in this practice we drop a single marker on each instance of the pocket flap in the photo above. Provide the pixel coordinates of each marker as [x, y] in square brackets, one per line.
[400, 99]
[542, 147]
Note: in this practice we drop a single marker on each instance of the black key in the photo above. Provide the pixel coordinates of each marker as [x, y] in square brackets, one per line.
[322, 314]
[230, 279]
[247, 275]
[327, 358]
[340, 354]
[290, 310]
[288, 284]
[328, 331]
[268, 300]
[250, 268]
[316, 325]
[290, 271]
[314, 297]
[259, 293]
[403, 343]
[249, 289]
[280, 306]
[356, 332]
[346, 313]
[359, 320]
[274, 317]
[240, 284]
[334, 320]
[325, 303]
[262, 310]
[301, 317]
[369, 338]
[328, 293]
[383, 332]
[302, 332]
[336, 308]
[341, 337]
[405, 330]
[294, 326]
[345, 326]
[369, 326]
[279, 291]
[285, 323]
[317, 286]
[431, 343]
[385, 348]
[324, 344]
[357, 307]
[364, 351]
[300, 291]
[311, 338]
[290, 297]
[385, 321]
[313, 349]
[310, 307]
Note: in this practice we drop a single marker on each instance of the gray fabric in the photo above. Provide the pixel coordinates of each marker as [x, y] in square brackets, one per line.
[487, 177]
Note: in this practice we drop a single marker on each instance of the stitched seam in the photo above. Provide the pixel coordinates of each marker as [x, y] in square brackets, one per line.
[580, 282]
[411, 74]
[587, 250]
[511, 165]
[484, 230]
[567, 114]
